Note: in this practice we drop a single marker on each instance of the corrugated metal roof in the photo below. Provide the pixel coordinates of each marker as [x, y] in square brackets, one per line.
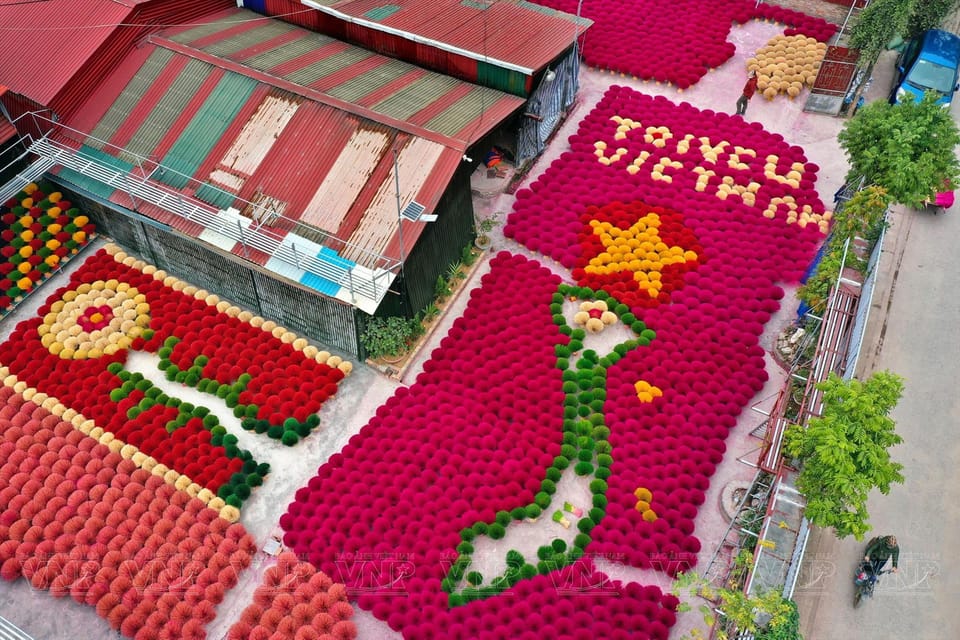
[34, 35]
[313, 171]
[206, 127]
[506, 32]
[389, 87]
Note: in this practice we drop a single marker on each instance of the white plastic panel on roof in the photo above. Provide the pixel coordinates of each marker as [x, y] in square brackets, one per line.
[379, 225]
[258, 135]
[346, 179]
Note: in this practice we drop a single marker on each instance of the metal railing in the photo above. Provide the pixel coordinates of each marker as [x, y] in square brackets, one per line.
[369, 278]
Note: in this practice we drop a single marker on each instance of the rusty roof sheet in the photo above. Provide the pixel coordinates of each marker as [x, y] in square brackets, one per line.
[514, 34]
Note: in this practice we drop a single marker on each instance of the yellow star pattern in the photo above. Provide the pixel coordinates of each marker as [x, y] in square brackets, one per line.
[639, 250]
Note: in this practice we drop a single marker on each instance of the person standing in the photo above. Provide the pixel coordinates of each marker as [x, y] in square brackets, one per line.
[748, 90]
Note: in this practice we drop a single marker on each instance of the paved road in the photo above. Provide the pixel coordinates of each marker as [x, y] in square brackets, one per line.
[913, 331]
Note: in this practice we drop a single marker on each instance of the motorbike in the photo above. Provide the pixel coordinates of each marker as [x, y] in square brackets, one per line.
[864, 581]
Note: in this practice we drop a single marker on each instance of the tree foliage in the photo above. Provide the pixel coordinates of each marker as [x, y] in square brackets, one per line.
[863, 216]
[908, 148]
[878, 24]
[928, 14]
[765, 615]
[845, 453]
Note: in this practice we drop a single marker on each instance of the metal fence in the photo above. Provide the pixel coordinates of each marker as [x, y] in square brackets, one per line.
[863, 310]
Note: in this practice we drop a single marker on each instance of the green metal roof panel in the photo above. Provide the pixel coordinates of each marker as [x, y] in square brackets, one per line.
[413, 97]
[385, 11]
[90, 184]
[201, 31]
[170, 107]
[215, 196]
[276, 56]
[244, 39]
[468, 108]
[322, 68]
[497, 77]
[206, 127]
[120, 110]
[355, 88]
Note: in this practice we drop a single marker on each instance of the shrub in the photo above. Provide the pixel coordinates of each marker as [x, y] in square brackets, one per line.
[386, 337]
[497, 531]
[533, 511]
[289, 438]
[548, 486]
[559, 546]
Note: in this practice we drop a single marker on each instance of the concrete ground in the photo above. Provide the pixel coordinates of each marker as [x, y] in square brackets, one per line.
[366, 389]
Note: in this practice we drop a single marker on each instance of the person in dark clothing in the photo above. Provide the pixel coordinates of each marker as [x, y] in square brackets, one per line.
[881, 549]
[748, 90]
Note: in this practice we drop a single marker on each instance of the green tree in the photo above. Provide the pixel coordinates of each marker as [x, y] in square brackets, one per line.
[863, 216]
[878, 24]
[906, 148]
[928, 14]
[845, 453]
[766, 615]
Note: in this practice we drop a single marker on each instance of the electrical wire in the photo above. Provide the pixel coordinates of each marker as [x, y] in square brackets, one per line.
[20, 29]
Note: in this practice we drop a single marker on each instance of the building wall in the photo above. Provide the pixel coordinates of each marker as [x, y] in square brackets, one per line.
[440, 244]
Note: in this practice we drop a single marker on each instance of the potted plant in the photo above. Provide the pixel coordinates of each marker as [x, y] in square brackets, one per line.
[387, 338]
[484, 227]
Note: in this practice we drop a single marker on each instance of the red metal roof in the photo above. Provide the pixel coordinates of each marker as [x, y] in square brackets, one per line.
[53, 55]
[46, 43]
[511, 33]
